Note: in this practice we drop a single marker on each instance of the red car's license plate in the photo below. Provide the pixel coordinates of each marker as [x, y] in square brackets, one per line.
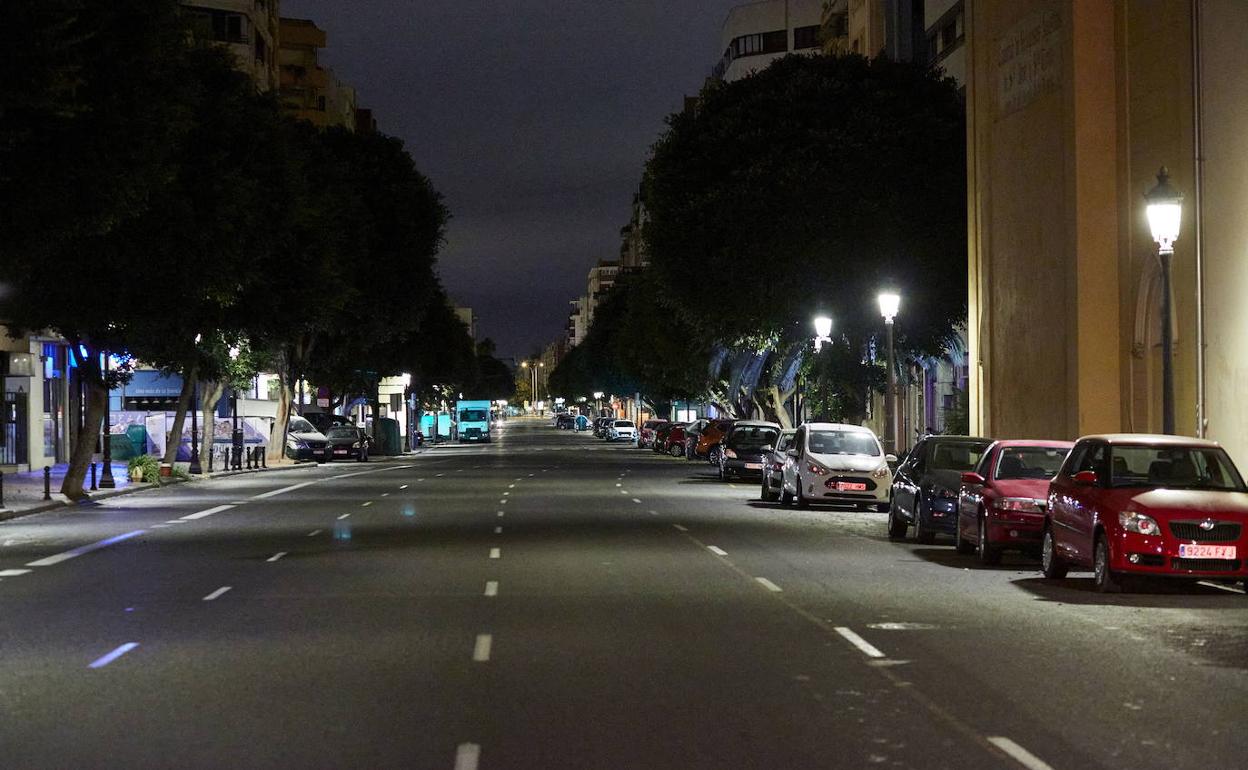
[850, 486]
[1194, 551]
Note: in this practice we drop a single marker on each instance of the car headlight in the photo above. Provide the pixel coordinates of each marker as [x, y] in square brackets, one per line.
[1020, 505]
[730, 453]
[357, 445]
[1138, 522]
[880, 472]
[295, 443]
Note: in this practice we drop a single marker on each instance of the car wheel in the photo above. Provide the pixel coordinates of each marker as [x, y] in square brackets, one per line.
[712, 456]
[1105, 579]
[802, 501]
[675, 451]
[786, 497]
[768, 495]
[962, 545]
[922, 534]
[1051, 563]
[988, 554]
[896, 527]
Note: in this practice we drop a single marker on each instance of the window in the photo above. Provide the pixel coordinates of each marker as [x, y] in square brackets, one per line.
[1174, 467]
[956, 456]
[262, 50]
[946, 34]
[806, 37]
[843, 442]
[1031, 462]
[759, 43]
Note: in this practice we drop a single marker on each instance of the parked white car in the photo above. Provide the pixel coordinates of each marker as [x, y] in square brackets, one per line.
[835, 463]
[621, 429]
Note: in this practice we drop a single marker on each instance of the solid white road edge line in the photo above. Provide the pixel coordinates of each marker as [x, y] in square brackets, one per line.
[496, 553]
[481, 649]
[276, 556]
[491, 588]
[48, 561]
[216, 593]
[208, 512]
[862, 644]
[716, 550]
[1022, 755]
[344, 516]
[315, 532]
[1219, 586]
[13, 572]
[365, 505]
[284, 490]
[770, 586]
[467, 755]
[682, 529]
[104, 660]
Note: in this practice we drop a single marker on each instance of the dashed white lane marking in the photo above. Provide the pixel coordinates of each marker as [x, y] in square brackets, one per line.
[160, 526]
[511, 486]
[481, 649]
[402, 486]
[385, 494]
[770, 586]
[619, 485]
[104, 660]
[467, 755]
[496, 553]
[1221, 587]
[212, 596]
[500, 514]
[623, 491]
[12, 572]
[177, 521]
[498, 530]
[635, 500]
[276, 556]
[491, 588]
[862, 644]
[679, 527]
[315, 532]
[439, 475]
[344, 516]
[207, 512]
[365, 505]
[716, 550]
[530, 475]
[283, 490]
[48, 561]
[503, 501]
[1022, 755]
[506, 493]
[653, 513]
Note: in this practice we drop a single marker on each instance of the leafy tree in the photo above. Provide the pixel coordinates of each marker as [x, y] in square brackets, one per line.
[807, 188]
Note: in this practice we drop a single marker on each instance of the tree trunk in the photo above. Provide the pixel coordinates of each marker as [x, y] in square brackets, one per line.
[277, 443]
[174, 439]
[209, 394]
[84, 449]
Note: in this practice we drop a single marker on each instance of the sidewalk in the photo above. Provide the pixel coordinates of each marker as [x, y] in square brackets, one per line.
[23, 492]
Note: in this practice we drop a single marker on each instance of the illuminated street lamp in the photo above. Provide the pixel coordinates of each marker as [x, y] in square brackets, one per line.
[890, 303]
[598, 401]
[1165, 212]
[823, 331]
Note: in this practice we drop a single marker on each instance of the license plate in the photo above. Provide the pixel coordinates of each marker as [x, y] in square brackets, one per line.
[340, 451]
[753, 466]
[1194, 551]
[850, 486]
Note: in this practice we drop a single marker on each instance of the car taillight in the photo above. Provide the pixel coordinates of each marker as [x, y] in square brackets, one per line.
[777, 466]
[730, 453]
[818, 470]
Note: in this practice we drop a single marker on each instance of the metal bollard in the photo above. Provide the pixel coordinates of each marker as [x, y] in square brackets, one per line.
[47, 483]
[93, 486]
[264, 459]
[210, 454]
[1, 490]
[247, 453]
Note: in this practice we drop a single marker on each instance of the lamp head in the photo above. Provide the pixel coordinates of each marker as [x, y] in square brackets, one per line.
[1165, 212]
[890, 303]
[823, 326]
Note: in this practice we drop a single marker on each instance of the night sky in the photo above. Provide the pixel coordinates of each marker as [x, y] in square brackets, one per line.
[533, 118]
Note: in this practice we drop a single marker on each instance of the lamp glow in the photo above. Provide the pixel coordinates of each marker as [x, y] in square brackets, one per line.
[890, 303]
[823, 326]
[1165, 212]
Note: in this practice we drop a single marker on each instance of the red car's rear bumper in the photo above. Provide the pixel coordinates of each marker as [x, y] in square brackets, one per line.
[1160, 555]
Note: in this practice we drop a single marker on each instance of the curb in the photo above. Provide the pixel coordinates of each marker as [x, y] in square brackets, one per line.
[7, 514]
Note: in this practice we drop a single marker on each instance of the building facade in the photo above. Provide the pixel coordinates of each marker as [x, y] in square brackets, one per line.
[1072, 108]
[247, 28]
[756, 34]
[308, 90]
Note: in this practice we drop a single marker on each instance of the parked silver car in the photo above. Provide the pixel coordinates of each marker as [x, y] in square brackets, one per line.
[837, 463]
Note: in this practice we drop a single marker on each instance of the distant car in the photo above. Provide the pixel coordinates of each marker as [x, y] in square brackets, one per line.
[645, 437]
[837, 463]
[347, 442]
[674, 441]
[1001, 503]
[773, 466]
[565, 421]
[1125, 505]
[709, 439]
[622, 430]
[925, 490]
[693, 432]
[303, 440]
[659, 444]
[600, 426]
[743, 452]
[323, 421]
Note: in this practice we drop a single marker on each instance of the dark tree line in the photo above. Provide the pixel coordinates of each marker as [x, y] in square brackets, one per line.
[156, 205]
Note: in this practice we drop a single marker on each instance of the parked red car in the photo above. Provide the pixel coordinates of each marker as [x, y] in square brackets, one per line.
[1127, 505]
[1001, 503]
[674, 441]
[645, 438]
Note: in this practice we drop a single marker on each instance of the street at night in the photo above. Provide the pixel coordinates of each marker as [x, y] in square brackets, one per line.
[555, 601]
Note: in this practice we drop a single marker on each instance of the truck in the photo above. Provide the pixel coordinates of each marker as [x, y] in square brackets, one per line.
[473, 420]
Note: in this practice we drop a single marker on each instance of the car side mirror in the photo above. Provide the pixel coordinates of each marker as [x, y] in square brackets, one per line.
[1087, 478]
[890, 459]
[972, 479]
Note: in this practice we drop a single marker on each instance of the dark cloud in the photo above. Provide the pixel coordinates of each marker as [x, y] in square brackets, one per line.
[534, 120]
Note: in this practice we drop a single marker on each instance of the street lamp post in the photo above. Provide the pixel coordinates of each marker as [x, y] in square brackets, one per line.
[106, 479]
[890, 303]
[598, 403]
[1165, 212]
[823, 334]
[236, 437]
[195, 468]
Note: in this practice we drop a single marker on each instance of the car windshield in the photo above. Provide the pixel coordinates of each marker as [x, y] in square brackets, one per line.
[1173, 467]
[341, 433]
[752, 437]
[956, 455]
[1030, 462]
[623, 424]
[473, 415]
[843, 442]
[300, 425]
